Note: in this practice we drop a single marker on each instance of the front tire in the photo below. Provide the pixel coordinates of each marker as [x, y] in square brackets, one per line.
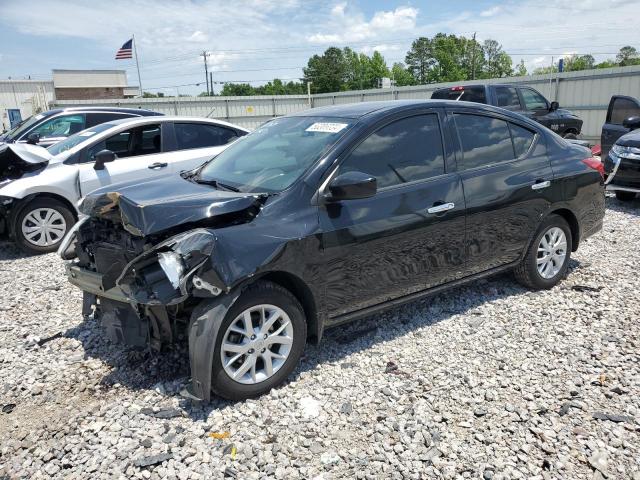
[570, 136]
[259, 343]
[625, 196]
[547, 258]
[41, 224]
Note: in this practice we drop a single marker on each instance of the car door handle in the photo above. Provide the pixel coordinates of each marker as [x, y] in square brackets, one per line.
[540, 185]
[157, 165]
[442, 207]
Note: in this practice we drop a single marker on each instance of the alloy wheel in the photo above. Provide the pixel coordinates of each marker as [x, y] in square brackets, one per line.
[256, 344]
[552, 252]
[43, 227]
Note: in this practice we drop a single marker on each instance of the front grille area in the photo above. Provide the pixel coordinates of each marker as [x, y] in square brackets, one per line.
[105, 247]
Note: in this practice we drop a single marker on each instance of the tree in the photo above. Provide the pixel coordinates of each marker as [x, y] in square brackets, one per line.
[520, 70]
[573, 63]
[546, 70]
[628, 56]
[327, 72]
[237, 90]
[419, 59]
[376, 68]
[607, 64]
[401, 75]
[497, 62]
[152, 95]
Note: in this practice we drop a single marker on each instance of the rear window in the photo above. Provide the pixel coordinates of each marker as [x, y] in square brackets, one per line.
[467, 94]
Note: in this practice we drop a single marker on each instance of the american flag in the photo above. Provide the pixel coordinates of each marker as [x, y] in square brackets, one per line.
[125, 51]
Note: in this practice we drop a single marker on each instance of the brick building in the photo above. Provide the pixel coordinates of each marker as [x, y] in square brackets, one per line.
[91, 84]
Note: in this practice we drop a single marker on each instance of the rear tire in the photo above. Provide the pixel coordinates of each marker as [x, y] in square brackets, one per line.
[41, 224]
[543, 267]
[625, 196]
[275, 302]
[570, 136]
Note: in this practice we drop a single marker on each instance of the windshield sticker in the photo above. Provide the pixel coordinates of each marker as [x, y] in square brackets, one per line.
[327, 127]
[86, 134]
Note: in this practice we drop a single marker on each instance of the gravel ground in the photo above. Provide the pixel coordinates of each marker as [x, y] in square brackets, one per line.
[485, 381]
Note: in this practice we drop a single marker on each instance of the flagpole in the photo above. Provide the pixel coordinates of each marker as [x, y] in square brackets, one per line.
[135, 49]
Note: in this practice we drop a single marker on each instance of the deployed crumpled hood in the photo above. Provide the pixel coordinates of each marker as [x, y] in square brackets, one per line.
[150, 207]
[631, 139]
[18, 158]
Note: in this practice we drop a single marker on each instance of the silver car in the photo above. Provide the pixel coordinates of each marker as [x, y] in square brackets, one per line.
[40, 188]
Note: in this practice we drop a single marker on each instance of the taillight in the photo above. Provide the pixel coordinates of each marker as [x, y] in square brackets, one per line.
[457, 89]
[596, 164]
[596, 150]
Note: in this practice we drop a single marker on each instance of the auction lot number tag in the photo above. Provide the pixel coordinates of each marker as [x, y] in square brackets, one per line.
[326, 127]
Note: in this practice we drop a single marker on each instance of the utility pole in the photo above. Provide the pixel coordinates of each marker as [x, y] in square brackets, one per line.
[473, 58]
[211, 82]
[309, 93]
[204, 55]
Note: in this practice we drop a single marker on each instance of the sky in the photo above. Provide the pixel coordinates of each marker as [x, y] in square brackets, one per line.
[257, 40]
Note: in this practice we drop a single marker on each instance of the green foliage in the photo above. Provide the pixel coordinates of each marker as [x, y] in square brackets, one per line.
[152, 95]
[520, 70]
[401, 75]
[574, 63]
[442, 58]
[497, 63]
[628, 56]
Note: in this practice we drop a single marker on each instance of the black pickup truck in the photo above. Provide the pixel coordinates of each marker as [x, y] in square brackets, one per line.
[521, 99]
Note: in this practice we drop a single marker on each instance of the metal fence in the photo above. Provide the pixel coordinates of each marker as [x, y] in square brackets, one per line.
[586, 93]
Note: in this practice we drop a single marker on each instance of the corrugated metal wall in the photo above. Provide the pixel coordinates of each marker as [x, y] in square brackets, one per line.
[23, 94]
[586, 93]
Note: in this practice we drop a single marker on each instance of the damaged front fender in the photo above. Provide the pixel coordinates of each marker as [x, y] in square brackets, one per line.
[203, 333]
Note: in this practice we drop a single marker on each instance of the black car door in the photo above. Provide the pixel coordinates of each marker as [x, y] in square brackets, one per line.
[620, 108]
[507, 180]
[410, 235]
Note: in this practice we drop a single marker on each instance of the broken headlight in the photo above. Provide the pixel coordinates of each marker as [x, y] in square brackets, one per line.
[626, 152]
[172, 266]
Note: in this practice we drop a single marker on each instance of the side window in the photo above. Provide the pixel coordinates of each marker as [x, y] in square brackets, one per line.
[533, 100]
[62, 126]
[484, 140]
[202, 135]
[508, 98]
[403, 151]
[522, 139]
[137, 141]
[622, 109]
[94, 119]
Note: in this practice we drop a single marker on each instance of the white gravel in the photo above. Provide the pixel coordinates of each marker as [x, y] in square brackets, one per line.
[485, 381]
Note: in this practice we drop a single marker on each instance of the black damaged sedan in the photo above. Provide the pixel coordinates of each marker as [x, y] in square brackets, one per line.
[322, 217]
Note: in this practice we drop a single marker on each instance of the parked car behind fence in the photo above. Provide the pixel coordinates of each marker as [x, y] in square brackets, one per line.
[517, 98]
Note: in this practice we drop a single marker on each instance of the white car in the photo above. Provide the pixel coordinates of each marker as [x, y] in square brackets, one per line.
[40, 188]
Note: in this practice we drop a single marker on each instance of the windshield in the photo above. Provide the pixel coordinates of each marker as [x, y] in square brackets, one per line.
[78, 138]
[275, 155]
[23, 127]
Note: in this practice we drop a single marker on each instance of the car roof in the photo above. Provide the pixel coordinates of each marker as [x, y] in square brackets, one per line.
[371, 111]
[136, 111]
[166, 118]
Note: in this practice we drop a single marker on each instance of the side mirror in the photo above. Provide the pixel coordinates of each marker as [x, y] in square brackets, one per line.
[352, 186]
[33, 138]
[102, 157]
[632, 123]
[554, 106]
